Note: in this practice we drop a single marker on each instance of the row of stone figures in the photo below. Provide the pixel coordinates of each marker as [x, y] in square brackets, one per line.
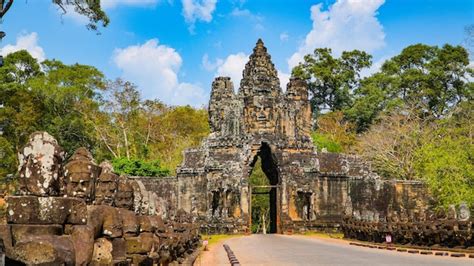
[447, 229]
[80, 213]
[42, 173]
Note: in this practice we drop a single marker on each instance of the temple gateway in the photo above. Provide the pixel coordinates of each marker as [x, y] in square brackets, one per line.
[308, 190]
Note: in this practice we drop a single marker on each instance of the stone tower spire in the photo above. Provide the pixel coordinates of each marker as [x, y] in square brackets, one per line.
[260, 75]
[222, 94]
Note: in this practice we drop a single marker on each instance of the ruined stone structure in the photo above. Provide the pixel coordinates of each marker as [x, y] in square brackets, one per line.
[84, 214]
[308, 189]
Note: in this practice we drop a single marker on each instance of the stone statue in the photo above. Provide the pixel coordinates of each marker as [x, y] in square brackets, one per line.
[81, 173]
[40, 166]
[464, 212]
[124, 196]
[106, 185]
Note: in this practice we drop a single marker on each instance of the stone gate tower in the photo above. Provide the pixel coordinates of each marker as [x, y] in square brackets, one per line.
[309, 189]
[260, 120]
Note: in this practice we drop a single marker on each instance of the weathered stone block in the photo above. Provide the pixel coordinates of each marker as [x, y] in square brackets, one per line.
[82, 237]
[141, 244]
[45, 210]
[130, 224]
[112, 226]
[143, 260]
[6, 236]
[105, 220]
[119, 248]
[102, 252]
[24, 231]
[45, 250]
[145, 223]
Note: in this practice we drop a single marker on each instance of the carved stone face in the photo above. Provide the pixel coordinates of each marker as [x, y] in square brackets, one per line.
[79, 188]
[40, 166]
[124, 195]
[106, 185]
[81, 174]
[464, 213]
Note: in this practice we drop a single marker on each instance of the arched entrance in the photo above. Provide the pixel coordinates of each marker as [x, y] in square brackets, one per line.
[264, 187]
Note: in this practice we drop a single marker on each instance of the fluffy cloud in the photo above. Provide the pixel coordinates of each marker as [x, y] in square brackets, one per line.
[27, 42]
[154, 68]
[284, 79]
[232, 66]
[346, 25]
[198, 10]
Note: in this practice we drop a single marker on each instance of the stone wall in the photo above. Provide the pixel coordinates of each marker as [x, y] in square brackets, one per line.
[80, 213]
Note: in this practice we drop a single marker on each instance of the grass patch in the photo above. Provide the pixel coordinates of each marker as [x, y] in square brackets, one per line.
[213, 239]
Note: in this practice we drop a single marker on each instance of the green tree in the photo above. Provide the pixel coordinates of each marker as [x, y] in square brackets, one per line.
[90, 9]
[49, 98]
[446, 158]
[137, 167]
[427, 79]
[332, 80]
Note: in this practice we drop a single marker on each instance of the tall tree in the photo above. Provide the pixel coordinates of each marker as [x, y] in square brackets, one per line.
[430, 80]
[332, 80]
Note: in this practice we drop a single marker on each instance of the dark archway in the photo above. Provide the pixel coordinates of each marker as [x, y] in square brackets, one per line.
[270, 188]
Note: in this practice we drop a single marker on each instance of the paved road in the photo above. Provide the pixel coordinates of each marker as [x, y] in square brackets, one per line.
[303, 250]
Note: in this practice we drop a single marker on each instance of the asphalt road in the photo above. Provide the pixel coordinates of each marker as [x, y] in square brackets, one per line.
[303, 250]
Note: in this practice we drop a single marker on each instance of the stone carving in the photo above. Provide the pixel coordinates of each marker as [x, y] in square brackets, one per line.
[40, 166]
[262, 120]
[106, 185]
[464, 212]
[124, 196]
[81, 174]
[47, 229]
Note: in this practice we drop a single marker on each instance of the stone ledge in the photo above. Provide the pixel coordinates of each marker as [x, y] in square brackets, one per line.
[45, 210]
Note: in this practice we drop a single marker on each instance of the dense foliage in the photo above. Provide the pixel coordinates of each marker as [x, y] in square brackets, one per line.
[412, 119]
[137, 167]
[79, 107]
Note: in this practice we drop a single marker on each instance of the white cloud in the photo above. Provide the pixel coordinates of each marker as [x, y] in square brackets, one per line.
[210, 66]
[284, 36]
[198, 10]
[284, 79]
[232, 67]
[154, 68]
[346, 25]
[27, 42]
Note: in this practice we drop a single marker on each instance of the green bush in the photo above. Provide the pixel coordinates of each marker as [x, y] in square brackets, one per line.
[138, 167]
[322, 141]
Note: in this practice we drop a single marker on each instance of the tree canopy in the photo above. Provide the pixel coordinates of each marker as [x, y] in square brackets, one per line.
[412, 118]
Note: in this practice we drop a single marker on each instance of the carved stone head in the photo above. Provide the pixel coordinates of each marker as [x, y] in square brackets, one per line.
[124, 196]
[81, 173]
[464, 212]
[106, 185]
[40, 165]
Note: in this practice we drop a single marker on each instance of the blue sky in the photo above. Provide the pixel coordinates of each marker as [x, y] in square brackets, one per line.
[172, 49]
